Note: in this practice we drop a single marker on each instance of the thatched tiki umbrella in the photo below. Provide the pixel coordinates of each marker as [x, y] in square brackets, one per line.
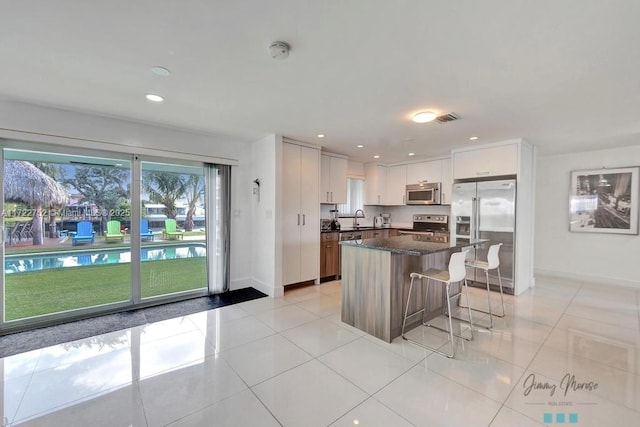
[25, 182]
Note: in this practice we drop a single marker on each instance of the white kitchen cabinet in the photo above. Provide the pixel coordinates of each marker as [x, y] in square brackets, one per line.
[375, 184]
[396, 185]
[484, 162]
[447, 182]
[301, 213]
[424, 171]
[333, 179]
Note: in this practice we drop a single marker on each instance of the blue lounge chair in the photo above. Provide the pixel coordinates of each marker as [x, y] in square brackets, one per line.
[84, 233]
[145, 233]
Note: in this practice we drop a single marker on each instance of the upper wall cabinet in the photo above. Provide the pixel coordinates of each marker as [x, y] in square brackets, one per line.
[446, 181]
[424, 171]
[375, 184]
[484, 162]
[396, 185]
[333, 179]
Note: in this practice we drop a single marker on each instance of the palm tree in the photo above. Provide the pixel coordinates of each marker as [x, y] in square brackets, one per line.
[164, 187]
[193, 190]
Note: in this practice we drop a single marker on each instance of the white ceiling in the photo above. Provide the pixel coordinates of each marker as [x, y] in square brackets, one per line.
[565, 75]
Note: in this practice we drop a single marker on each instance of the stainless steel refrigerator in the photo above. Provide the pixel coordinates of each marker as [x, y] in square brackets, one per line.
[487, 210]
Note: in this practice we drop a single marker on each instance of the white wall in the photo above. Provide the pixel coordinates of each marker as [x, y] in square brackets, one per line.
[266, 253]
[597, 257]
[43, 124]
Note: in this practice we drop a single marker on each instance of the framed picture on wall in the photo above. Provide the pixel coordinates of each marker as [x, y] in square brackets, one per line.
[604, 201]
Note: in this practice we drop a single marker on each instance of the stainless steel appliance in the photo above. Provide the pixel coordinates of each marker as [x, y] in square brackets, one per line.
[325, 225]
[424, 193]
[487, 210]
[377, 221]
[434, 228]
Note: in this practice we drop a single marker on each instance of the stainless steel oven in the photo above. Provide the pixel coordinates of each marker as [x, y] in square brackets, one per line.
[434, 228]
[424, 193]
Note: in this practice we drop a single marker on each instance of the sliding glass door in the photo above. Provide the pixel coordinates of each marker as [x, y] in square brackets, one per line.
[86, 232]
[174, 215]
[59, 254]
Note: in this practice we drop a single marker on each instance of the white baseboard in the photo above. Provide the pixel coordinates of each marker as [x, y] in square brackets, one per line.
[244, 282]
[268, 289]
[607, 281]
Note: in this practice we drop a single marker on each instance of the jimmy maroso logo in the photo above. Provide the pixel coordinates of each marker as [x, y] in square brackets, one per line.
[568, 383]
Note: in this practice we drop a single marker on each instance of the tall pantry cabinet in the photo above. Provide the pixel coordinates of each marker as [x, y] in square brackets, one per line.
[301, 213]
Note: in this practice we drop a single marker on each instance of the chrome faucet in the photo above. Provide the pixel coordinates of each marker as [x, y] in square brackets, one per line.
[355, 217]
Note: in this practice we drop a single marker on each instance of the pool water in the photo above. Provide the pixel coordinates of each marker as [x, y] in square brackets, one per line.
[26, 262]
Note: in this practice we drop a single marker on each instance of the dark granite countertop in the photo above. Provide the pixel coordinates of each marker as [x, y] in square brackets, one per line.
[415, 245]
[363, 228]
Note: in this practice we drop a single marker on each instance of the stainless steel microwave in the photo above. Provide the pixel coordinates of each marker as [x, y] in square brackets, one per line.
[425, 193]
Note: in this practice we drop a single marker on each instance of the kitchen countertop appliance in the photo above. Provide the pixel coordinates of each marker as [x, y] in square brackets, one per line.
[434, 228]
[386, 220]
[487, 210]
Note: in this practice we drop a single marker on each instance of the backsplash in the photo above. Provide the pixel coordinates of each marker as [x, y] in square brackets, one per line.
[401, 216]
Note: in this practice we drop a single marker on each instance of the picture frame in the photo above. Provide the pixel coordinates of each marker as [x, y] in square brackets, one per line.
[604, 201]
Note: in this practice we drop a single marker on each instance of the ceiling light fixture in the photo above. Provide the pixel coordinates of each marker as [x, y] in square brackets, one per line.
[160, 71]
[320, 135]
[154, 98]
[424, 117]
[359, 146]
[473, 138]
[376, 157]
[412, 154]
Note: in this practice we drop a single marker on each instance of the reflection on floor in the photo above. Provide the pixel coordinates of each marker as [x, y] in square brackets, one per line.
[86, 328]
[567, 352]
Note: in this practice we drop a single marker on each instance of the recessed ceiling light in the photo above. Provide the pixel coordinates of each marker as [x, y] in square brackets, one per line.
[154, 98]
[376, 157]
[424, 117]
[412, 154]
[473, 138]
[160, 71]
[359, 146]
[321, 135]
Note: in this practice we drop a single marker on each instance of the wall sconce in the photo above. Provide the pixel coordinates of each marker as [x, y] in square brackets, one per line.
[256, 188]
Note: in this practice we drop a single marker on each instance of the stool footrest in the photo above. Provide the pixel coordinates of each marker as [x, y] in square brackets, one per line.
[435, 350]
[447, 331]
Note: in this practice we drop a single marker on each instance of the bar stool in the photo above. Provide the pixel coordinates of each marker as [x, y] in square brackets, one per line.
[456, 273]
[492, 262]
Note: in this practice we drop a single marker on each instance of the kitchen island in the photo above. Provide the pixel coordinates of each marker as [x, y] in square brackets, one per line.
[375, 280]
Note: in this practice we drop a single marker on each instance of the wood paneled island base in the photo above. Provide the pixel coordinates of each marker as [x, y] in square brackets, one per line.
[375, 281]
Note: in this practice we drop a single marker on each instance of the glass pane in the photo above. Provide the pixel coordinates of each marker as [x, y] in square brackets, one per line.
[355, 198]
[173, 235]
[66, 241]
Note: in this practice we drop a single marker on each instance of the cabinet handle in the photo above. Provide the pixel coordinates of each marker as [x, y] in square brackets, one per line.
[442, 197]
[404, 201]
[378, 199]
[303, 219]
[298, 219]
[332, 196]
[327, 196]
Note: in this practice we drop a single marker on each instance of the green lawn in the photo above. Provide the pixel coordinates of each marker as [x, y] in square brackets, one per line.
[35, 293]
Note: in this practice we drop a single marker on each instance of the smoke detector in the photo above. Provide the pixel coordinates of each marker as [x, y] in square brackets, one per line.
[279, 50]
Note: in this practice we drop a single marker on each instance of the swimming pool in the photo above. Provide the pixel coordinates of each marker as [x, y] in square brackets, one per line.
[62, 259]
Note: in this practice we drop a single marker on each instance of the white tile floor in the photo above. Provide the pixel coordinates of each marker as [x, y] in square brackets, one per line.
[290, 361]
